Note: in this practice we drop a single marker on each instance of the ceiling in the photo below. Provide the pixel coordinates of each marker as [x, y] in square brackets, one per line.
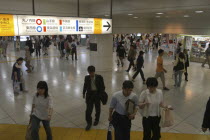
[173, 11]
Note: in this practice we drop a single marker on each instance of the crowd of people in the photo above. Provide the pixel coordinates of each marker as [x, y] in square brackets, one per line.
[149, 103]
[140, 47]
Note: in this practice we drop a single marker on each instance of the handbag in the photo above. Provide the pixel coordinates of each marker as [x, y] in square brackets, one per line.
[16, 87]
[167, 119]
[109, 133]
[28, 132]
[179, 66]
[130, 106]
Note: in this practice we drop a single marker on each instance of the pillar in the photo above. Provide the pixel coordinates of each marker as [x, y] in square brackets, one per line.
[102, 59]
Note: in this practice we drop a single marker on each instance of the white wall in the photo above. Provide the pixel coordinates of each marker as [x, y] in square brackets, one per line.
[196, 26]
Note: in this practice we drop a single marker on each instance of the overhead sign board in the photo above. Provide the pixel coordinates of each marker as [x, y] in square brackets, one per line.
[8, 25]
[21, 25]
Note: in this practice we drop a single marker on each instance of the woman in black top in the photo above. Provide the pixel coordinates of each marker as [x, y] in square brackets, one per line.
[17, 75]
[121, 53]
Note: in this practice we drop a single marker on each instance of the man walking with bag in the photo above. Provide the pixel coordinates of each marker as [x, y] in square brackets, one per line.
[92, 90]
[121, 118]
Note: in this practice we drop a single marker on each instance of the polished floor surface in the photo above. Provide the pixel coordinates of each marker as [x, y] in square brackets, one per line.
[66, 78]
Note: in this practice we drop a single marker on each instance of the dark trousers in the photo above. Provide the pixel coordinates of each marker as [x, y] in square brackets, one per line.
[122, 126]
[156, 45]
[74, 53]
[151, 126]
[186, 74]
[92, 99]
[38, 52]
[130, 65]
[35, 123]
[137, 72]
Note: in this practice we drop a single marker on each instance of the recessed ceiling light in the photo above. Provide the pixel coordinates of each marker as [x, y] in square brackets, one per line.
[186, 16]
[130, 14]
[106, 15]
[157, 16]
[135, 17]
[198, 12]
[159, 13]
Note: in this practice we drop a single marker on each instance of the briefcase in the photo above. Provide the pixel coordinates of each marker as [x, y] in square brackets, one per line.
[109, 132]
[104, 98]
[130, 106]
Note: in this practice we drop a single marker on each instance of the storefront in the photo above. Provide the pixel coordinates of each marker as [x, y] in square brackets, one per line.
[197, 46]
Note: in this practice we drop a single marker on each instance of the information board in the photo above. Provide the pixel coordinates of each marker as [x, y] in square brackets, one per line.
[23, 25]
[8, 25]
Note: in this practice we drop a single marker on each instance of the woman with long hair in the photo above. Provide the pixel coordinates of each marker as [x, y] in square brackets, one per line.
[41, 111]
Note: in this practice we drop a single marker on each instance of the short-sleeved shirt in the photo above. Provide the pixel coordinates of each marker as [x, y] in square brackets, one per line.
[146, 41]
[118, 102]
[159, 64]
[42, 106]
[154, 100]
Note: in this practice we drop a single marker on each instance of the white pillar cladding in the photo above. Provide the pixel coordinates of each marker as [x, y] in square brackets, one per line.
[102, 59]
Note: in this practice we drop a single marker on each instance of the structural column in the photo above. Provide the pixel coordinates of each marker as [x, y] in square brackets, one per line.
[102, 59]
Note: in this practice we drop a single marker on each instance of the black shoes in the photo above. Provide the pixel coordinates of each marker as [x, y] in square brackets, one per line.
[88, 127]
[165, 88]
[95, 123]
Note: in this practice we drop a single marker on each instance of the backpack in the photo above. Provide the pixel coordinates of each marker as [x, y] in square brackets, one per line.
[179, 66]
[73, 46]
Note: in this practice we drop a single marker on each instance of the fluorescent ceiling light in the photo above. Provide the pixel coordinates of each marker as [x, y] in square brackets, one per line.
[130, 14]
[106, 15]
[198, 12]
[135, 17]
[159, 13]
[157, 16]
[186, 16]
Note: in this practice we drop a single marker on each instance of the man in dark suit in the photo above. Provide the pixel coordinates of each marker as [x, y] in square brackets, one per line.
[93, 87]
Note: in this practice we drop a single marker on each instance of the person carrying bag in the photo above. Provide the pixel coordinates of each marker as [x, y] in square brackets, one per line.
[123, 109]
[151, 101]
[179, 69]
[28, 132]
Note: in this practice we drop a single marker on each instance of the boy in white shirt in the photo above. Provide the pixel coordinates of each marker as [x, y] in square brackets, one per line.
[150, 101]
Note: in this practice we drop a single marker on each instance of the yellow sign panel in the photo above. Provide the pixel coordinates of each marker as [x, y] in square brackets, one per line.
[7, 25]
[97, 25]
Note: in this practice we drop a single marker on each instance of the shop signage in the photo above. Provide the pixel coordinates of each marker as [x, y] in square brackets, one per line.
[21, 25]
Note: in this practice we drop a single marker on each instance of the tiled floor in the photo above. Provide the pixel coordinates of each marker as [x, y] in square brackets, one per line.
[65, 79]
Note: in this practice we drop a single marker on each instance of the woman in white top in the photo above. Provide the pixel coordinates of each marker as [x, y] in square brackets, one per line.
[41, 111]
[150, 102]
